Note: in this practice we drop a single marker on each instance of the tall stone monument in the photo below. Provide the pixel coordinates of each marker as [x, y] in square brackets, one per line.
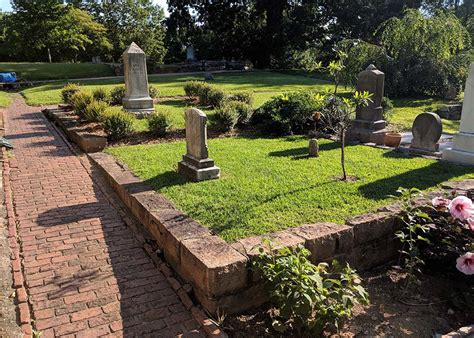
[463, 142]
[137, 98]
[369, 125]
[196, 164]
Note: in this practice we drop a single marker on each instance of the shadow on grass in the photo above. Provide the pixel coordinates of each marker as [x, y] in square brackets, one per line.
[422, 178]
[302, 152]
[167, 179]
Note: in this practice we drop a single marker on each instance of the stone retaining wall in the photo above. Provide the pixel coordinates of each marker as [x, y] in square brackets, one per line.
[220, 272]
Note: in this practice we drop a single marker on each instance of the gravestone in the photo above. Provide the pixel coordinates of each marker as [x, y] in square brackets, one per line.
[369, 125]
[463, 142]
[313, 148]
[196, 164]
[208, 76]
[137, 98]
[427, 130]
[190, 56]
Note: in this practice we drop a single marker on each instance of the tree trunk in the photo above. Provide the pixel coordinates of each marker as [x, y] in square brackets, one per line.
[49, 56]
[343, 158]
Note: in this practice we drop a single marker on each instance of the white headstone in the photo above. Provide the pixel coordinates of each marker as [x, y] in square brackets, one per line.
[137, 98]
[463, 142]
[196, 165]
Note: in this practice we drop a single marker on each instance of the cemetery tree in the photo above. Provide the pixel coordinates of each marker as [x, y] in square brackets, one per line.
[127, 21]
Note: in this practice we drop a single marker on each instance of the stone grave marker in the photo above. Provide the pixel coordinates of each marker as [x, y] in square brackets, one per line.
[463, 142]
[196, 164]
[369, 125]
[137, 98]
[427, 130]
[313, 148]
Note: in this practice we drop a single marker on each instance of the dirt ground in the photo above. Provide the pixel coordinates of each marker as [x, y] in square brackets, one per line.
[434, 305]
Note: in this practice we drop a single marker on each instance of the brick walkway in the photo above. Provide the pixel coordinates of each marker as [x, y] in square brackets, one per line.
[85, 273]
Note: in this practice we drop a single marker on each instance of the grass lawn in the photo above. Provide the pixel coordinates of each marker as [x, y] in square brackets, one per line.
[269, 184]
[53, 71]
[5, 99]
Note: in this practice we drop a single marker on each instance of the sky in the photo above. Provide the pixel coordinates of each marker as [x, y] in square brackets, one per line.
[5, 5]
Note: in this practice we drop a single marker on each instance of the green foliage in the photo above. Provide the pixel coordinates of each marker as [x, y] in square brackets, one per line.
[387, 106]
[68, 91]
[290, 113]
[413, 232]
[225, 117]
[100, 94]
[95, 110]
[309, 296]
[212, 97]
[118, 124]
[194, 89]
[116, 95]
[153, 91]
[80, 101]
[159, 123]
[245, 97]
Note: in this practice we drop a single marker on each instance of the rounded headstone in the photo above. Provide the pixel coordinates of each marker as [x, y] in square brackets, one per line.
[313, 148]
[427, 129]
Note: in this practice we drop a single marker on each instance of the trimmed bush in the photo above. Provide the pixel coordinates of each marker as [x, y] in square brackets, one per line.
[244, 111]
[68, 91]
[159, 123]
[153, 91]
[100, 94]
[80, 101]
[118, 124]
[290, 113]
[195, 89]
[94, 111]
[116, 95]
[246, 97]
[225, 117]
[213, 97]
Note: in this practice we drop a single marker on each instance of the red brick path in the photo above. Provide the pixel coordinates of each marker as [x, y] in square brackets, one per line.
[85, 273]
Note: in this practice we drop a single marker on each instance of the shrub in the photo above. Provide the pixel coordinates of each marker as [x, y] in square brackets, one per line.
[387, 107]
[153, 91]
[290, 113]
[309, 296]
[100, 94]
[118, 124]
[245, 97]
[159, 123]
[116, 95]
[194, 89]
[94, 111]
[68, 91]
[80, 101]
[213, 97]
[244, 111]
[225, 117]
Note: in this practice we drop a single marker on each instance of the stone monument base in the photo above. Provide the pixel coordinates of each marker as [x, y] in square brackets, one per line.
[367, 131]
[463, 143]
[141, 106]
[198, 170]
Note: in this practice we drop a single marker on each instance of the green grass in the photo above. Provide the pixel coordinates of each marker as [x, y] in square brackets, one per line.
[406, 110]
[53, 71]
[5, 99]
[269, 184]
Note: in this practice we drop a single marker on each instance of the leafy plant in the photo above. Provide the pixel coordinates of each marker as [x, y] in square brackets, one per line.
[68, 91]
[95, 110]
[307, 296]
[193, 89]
[153, 91]
[118, 124]
[246, 97]
[212, 96]
[116, 95]
[413, 232]
[225, 117]
[100, 94]
[387, 106]
[159, 123]
[80, 101]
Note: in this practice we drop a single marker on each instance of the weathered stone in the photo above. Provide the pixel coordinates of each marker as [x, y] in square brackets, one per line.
[371, 227]
[137, 98]
[374, 253]
[313, 148]
[427, 130]
[208, 76]
[190, 55]
[196, 165]
[213, 266]
[369, 125]
[463, 142]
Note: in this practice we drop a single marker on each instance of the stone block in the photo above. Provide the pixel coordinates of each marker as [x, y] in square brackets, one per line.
[372, 227]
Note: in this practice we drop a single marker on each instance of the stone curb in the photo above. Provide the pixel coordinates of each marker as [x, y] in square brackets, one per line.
[88, 143]
[182, 290]
[467, 331]
[18, 280]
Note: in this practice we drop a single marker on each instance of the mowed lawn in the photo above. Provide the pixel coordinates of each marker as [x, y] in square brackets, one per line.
[269, 184]
[53, 71]
[5, 99]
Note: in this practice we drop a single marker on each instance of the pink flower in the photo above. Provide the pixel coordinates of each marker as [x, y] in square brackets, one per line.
[439, 202]
[470, 223]
[461, 208]
[465, 263]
